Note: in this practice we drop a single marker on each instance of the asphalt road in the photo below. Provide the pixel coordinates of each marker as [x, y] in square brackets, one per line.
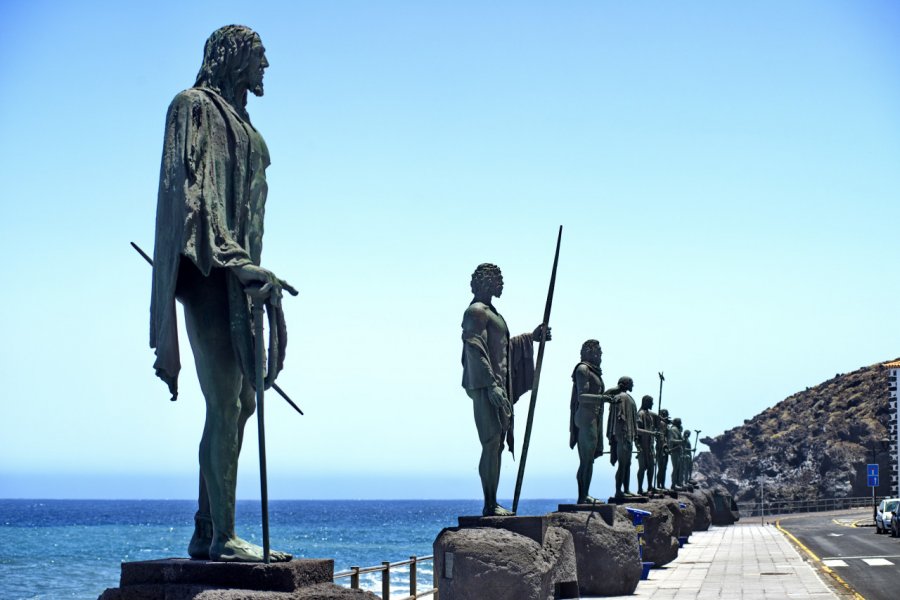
[867, 562]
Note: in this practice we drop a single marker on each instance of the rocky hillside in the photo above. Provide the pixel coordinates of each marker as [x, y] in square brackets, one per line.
[814, 444]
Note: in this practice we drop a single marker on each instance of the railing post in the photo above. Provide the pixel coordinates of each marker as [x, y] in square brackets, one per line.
[386, 580]
[412, 576]
[354, 578]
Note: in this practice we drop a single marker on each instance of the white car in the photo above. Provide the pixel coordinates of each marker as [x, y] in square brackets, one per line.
[884, 513]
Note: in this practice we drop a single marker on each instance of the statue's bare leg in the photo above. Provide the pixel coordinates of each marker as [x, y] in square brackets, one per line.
[228, 406]
[491, 437]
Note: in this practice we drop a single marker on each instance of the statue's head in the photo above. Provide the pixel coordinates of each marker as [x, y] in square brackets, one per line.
[647, 402]
[234, 60]
[487, 279]
[664, 413]
[687, 434]
[626, 383]
[676, 422]
[591, 352]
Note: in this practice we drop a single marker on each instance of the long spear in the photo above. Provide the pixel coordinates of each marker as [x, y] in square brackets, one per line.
[274, 385]
[661, 379]
[537, 374]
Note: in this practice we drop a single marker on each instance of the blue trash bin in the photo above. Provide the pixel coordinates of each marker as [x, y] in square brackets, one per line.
[637, 518]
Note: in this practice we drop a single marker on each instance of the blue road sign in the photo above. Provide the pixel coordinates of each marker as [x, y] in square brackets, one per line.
[873, 480]
[872, 470]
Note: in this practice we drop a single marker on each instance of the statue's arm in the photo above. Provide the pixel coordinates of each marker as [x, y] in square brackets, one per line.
[477, 367]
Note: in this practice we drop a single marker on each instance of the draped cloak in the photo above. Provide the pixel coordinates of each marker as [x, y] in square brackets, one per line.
[491, 356]
[210, 209]
[622, 423]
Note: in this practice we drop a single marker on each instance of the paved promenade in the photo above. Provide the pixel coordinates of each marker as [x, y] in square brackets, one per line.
[744, 561]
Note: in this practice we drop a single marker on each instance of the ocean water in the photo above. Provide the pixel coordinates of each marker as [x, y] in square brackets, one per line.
[72, 548]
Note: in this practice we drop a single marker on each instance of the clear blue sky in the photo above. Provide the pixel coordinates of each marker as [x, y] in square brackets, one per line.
[727, 175]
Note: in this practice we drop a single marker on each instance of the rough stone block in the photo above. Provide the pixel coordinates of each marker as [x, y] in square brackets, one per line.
[606, 511]
[660, 541]
[606, 553]
[533, 527]
[480, 563]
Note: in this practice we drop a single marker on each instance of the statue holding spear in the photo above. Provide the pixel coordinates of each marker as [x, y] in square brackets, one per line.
[497, 370]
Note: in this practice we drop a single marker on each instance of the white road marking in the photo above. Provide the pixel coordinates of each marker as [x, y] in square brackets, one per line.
[835, 534]
[877, 562]
[866, 556]
[834, 563]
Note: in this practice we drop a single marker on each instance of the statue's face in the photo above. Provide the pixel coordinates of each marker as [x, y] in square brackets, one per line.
[593, 354]
[256, 68]
[495, 285]
[628, 385]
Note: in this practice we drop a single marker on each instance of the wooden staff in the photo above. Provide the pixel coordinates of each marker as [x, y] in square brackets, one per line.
[537, 374]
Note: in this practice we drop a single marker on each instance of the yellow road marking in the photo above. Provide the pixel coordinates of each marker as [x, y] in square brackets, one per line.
[855, 523]
[818, 560]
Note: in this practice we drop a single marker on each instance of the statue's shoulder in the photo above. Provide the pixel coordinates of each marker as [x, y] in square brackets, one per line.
[193, 97]
[477, 311]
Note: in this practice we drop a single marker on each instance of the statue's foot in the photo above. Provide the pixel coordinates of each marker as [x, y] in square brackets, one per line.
[640, 492]
[496, 511]
[198, 548]
[237, 550]
[590, 500]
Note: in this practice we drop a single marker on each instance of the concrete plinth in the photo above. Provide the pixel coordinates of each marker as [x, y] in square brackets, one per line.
[628, 499]
[184, 579]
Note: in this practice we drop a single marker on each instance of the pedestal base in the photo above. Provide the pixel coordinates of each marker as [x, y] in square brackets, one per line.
[534, 528]
[184, 579]
[606, 511]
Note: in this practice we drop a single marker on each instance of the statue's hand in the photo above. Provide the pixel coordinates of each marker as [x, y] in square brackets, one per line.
[498, 399]
[536, 334]
[263, 282]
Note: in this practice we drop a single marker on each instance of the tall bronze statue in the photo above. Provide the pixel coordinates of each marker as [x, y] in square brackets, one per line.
[497, 370]
[646, 439]
[621, 429]
[675, 440]
[209, 228]
[662, 448]
[586, 415]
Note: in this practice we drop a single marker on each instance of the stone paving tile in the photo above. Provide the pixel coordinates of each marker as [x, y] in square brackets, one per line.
[741, 562]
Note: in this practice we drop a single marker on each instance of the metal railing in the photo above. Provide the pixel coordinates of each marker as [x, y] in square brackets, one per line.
[385, 569]
[782, 507]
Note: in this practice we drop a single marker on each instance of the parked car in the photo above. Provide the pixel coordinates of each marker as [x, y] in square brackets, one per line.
[885, 512]
[895, 524]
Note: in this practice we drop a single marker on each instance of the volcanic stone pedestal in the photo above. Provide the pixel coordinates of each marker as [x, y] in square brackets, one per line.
[183, 579]
[505, 558]
[606, 511]
[703, 512]
[606, 552]
[660, 540]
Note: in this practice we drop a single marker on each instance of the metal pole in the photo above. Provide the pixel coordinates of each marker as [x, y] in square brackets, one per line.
[659, 404]
[537, 375]
[354, 578]
[412, 576]
[258, 308]
[386, 579]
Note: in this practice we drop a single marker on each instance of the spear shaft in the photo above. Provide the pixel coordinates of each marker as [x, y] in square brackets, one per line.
[537, 374]
[274, 385]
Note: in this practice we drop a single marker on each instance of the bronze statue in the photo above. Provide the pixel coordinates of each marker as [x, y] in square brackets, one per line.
[662, 448]
[687, 465]
[646, 438]
[621, 428]
[586, 415]
[497, 369]
[675, 439]
[209, 227]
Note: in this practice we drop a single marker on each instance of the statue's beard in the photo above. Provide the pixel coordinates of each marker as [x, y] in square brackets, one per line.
[258, 89]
